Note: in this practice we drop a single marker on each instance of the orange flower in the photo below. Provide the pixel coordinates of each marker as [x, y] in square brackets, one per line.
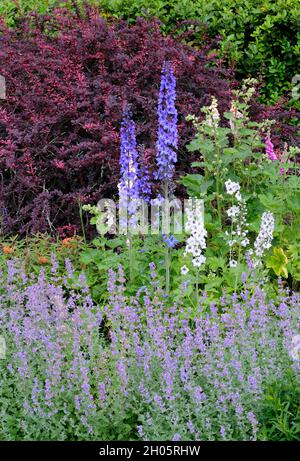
[68, 242]
[7, 250]
[43, 260]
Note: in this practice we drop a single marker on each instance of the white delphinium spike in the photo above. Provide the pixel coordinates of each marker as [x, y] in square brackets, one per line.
[264, 239]
[237, 214]
[196, 242]
[232, 187]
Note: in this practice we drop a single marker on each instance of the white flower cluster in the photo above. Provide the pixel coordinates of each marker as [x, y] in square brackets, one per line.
[264, 239]
[197, 240]
[213, 116]
[184, 270]
[237, 214]
[233, 212]
[233, 188]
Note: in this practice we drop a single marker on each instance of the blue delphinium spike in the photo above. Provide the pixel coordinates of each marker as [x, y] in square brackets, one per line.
[167, 142]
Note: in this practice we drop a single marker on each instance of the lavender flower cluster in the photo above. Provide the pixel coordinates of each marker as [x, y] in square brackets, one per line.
[202, 375]
[51, 380]
[74, 370]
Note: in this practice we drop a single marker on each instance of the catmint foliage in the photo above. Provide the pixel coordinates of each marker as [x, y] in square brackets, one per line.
[77, 371]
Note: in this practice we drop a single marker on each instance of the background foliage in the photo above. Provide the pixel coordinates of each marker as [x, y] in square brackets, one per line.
[259, 36]
[68, 79]
[65, 96]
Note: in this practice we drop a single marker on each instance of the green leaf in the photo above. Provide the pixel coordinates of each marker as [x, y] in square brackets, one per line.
[278, 262]
[196, 184]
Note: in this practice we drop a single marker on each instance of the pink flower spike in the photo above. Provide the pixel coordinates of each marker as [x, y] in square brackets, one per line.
[270, 149]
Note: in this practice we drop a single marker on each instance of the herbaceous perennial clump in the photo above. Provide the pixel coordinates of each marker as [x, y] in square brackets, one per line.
[137, 368]
[51, 378]
[202, 379]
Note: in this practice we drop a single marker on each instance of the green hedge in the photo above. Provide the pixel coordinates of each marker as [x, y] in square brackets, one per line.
[261, 36]
[13, 10]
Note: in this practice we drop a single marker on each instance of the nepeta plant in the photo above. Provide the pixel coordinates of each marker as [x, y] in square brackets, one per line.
[202, 379]
[59, 379]
[138, 367]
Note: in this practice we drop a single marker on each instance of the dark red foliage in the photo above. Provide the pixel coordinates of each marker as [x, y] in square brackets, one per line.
[68, 79]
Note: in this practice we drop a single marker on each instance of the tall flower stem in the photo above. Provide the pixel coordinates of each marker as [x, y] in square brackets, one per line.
[167, 266]
[218, 199]
[131, 257]
[237, 269]
[129, 185]
[167, 143]
[81, 220]
[197, 287]
[167, 251]
[219, 210]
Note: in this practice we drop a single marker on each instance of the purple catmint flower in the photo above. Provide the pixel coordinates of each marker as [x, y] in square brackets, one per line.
[140, 431]
[244, 277]
[69, 268]
[191, 427]
[54, 264]
[204, 378]
[223, 432]
[167, 143]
